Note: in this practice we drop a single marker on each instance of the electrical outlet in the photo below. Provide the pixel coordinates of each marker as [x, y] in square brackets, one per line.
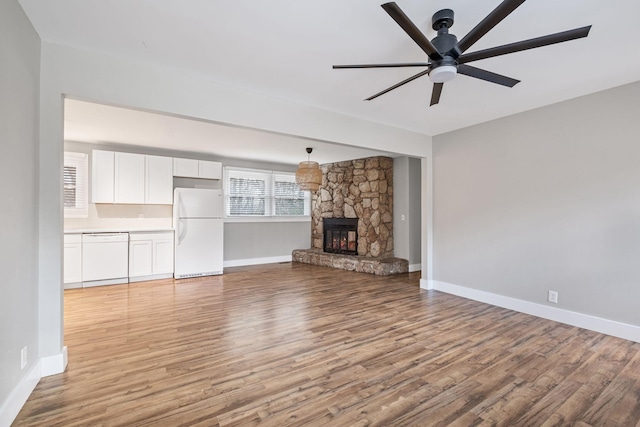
[553, 297]
[23, 357]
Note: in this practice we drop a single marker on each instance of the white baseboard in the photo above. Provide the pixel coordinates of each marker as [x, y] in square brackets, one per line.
[152, 277]
[597, 324]
[74, 285]
[44, 367]
[105, 282]
[256, 261]
[415, 267]
[55, 364]
[17, 398]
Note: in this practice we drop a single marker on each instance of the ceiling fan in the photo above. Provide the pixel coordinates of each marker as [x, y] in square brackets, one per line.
[446, 53]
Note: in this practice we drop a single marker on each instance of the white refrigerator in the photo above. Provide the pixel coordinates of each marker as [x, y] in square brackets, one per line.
[197, 217]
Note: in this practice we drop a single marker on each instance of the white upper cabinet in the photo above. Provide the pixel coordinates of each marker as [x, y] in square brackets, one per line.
[191, 168]
[209, 170]
[185, 167]
[102, 178]
[158, 180]
[129, 178]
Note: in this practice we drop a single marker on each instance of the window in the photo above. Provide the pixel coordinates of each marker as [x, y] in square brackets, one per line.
[75, 185]
[289, 200]
[257, 193]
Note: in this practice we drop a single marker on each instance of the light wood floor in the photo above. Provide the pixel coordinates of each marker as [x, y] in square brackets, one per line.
[295, 344]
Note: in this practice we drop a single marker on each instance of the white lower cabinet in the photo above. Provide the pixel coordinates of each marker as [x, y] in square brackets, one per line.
[72, 261]
[163, 255]
[150, 255]
[140, 257]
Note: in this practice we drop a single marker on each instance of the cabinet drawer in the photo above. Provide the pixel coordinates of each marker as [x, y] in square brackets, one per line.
[151, 235]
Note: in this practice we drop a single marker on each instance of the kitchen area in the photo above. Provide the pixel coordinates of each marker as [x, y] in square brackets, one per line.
[147, 217]
[133, 163]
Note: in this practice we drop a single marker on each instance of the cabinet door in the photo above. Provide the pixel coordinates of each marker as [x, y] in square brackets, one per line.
[158, 180]
[163, 256]
[129, 178]
[185, 167]
[209, 170]
[140, 258]
[72, 258]
[102, 170]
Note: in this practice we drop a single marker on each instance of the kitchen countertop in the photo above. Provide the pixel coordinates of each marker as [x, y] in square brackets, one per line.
[115, 230]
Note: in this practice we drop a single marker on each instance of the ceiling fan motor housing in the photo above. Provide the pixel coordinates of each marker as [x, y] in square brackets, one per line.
[445, 69]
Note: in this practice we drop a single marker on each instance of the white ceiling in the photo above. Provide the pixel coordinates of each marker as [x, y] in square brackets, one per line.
[104, 124]
[285, 48]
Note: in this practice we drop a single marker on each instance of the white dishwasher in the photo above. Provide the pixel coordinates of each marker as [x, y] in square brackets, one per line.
[105, 259]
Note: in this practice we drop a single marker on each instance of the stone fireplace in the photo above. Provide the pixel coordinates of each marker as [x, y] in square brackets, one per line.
[361, 189]
[360, 193]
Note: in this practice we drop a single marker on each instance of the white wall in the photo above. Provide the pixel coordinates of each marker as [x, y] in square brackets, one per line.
[545, 200]
[19, 83]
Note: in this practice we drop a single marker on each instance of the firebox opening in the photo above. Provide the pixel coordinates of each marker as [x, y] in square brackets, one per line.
[341, 235]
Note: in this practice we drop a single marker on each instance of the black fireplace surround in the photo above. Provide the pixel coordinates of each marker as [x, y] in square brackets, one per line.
[341, 235]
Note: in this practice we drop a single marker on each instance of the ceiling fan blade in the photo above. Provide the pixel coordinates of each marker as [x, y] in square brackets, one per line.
[397, 85]
[435, 94]
[412, 31]
[490, 21]
[481, 74]
[403, 64]
[550, 39]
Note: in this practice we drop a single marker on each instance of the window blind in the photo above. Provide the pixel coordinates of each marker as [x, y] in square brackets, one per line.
[258, 193]
[75, 185]
[289, 200]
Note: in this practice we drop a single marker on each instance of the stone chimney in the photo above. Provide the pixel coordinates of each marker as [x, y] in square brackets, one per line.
[360, 189]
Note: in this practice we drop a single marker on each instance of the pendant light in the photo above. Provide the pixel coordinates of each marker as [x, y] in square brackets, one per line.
[309, 175]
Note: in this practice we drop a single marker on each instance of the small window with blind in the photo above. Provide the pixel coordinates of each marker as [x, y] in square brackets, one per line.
[75, 185]
[263, 194]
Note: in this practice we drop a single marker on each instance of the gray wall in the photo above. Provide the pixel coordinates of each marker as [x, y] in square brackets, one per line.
[247, 240]
[401, 207]
[415, 230]
[19, 83]
[406, 201]
[547, 199]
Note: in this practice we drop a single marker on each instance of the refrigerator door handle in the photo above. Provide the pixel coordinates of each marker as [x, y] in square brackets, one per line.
[179, 205]
[179, 234]
[177, 217]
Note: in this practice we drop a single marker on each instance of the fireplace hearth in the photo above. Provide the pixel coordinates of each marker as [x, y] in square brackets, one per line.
[341, 235]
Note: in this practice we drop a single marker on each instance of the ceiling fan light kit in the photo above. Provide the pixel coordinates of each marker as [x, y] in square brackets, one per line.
[443, 73]
[446, 55]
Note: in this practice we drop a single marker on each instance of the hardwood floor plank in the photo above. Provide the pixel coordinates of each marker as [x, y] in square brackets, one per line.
[295, 344]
